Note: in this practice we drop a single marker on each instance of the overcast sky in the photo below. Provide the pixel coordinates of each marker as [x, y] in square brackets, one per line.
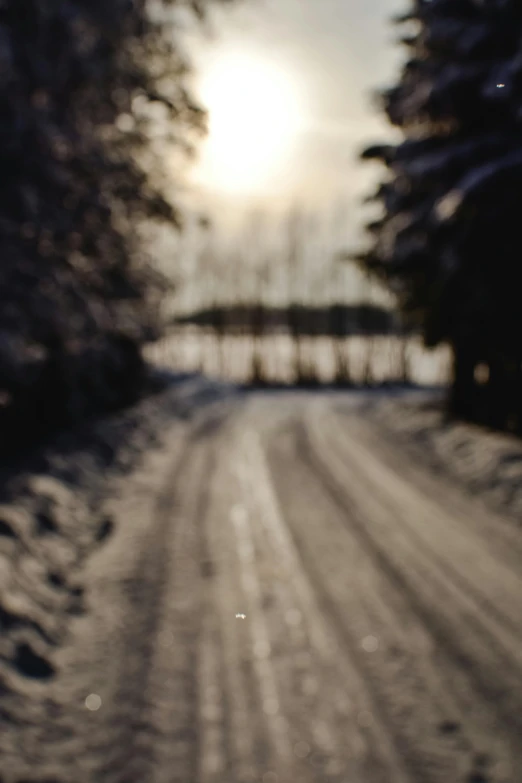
[337, 52]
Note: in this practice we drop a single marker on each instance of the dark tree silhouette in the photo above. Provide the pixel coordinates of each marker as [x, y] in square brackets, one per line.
[91, 91]
[449, 243]
[337, 320]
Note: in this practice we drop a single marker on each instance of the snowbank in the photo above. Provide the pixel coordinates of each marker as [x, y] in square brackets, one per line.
[51, 521]
[485, 463]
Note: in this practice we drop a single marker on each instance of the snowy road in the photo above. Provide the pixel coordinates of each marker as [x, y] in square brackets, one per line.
[289, 600]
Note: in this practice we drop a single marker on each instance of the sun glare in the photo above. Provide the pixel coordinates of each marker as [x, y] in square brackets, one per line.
[254, 114]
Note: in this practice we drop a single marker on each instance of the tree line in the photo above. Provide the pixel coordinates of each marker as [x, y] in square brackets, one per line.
[276, 305]
[449, 240]
[92, 93]
[333, 320]
[307, 331]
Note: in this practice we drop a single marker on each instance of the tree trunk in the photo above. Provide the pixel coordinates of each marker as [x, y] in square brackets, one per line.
[497, 412]
[462, 399]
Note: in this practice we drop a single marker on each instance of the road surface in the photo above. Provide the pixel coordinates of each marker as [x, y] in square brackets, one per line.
[288, 599]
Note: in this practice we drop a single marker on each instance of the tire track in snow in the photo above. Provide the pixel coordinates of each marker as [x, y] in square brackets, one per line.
[323, 631]
[358, 496]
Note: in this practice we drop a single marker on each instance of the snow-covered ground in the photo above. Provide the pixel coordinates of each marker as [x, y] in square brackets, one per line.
[53, 517]
[220, 587]
[487, 464]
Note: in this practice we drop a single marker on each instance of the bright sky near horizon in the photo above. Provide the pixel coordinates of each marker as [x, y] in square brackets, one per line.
[288, 84]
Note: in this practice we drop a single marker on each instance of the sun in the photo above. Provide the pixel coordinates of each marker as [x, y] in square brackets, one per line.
[254, 115]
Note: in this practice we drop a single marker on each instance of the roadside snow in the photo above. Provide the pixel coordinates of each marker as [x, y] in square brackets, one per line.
[485, 463]
[52, 520]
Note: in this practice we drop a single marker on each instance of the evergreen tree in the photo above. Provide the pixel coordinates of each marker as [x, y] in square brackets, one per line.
[91, 92]
[449, 242]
